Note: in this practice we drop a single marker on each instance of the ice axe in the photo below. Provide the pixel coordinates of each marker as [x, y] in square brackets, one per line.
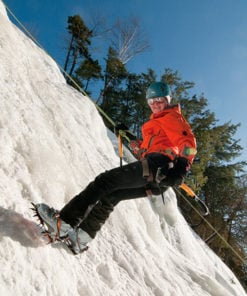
[120, 149]
[122, 133]
[192, 194]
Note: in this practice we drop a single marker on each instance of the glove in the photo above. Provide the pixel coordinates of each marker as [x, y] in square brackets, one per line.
[162, 172]
[175, 173]
[182, 166]
[135, 145]
[123, 127]
[173, 179]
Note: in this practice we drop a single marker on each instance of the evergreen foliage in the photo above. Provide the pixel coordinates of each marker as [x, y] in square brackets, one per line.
[79, 63]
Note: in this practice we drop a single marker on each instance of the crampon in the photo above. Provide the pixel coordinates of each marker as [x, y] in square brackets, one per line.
[53, 233]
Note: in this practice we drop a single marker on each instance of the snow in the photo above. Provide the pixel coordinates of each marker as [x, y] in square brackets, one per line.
[53, 142]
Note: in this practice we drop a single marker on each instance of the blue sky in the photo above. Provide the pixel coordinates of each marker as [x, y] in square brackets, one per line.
[205, 41]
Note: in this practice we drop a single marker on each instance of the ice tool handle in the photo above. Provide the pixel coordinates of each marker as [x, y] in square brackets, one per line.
[192, 194]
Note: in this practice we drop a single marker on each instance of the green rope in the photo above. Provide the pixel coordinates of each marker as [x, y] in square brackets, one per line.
[211, 226]
[80, 89]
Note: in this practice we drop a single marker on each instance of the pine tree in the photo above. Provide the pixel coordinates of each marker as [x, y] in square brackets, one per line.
[89, 70]
[79, 42]
[115, 73]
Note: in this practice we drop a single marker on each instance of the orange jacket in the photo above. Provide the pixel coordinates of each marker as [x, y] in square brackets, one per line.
[168, 132]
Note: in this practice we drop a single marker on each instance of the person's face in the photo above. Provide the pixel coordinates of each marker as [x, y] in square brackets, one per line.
[157, 104]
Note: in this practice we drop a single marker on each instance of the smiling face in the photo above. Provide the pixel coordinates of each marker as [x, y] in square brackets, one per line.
[158, 104]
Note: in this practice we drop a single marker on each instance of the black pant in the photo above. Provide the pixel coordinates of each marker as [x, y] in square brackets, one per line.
[90, 209]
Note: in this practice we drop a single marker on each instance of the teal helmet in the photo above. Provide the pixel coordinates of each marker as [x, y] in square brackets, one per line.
[158, 89]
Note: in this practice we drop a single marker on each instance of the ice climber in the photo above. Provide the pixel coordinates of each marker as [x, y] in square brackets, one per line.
[166, 152]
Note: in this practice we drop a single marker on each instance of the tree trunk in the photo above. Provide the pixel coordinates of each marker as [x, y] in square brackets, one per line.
[68, 54]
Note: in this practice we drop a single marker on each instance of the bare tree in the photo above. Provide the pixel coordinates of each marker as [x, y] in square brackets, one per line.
[128, 39]
[98, 23]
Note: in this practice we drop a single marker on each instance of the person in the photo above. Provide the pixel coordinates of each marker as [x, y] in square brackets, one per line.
[164, 156]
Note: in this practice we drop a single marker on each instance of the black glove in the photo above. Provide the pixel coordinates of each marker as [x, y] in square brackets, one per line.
[163, 172]
[124, 128]
[173, 179]
[181, 166]
[121, 126]
[175, 175]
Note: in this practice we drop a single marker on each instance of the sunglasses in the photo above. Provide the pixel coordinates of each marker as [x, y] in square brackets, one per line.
[158, 100]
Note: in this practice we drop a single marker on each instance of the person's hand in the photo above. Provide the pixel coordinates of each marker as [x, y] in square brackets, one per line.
[121, 127]
[135, 145]
[181, 166]
[175, 175]
[163, 171]
[125, 129]
[173, 179]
